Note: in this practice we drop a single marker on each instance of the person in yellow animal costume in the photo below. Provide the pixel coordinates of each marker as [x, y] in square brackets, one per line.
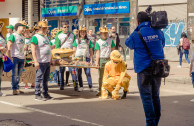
[115, 77]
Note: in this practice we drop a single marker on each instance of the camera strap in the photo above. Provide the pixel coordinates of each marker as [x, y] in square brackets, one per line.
[145, 45]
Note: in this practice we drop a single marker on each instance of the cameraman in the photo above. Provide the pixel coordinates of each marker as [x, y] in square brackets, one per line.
[148, 84]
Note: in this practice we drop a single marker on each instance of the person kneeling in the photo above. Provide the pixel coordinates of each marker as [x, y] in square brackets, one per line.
[115, 77]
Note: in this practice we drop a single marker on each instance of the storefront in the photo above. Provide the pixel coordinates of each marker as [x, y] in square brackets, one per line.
[109, 14]
[57, 15]
[11, 12]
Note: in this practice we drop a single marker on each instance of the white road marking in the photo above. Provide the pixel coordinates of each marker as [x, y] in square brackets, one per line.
[49, 113]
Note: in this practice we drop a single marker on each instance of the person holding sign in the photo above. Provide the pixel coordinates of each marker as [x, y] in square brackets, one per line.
[103, 48]
[65, 39]
[84, 51]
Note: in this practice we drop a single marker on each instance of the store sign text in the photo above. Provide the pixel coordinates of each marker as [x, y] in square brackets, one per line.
[108, 8]
[59, 11]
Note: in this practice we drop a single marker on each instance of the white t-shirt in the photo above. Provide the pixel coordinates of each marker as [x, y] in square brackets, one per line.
[43, 50]
[27, 41]
[7, 36]
[2, 44]
[53, 41]
[105, 47]
[69, 42]
[83, 48]
[17, 49]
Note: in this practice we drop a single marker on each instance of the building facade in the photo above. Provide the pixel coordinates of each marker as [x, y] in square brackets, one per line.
[177, 16]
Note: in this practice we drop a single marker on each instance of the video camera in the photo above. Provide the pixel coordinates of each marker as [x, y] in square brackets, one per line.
[159, 19]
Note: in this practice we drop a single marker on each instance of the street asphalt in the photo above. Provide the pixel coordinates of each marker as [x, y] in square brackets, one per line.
[70, 108]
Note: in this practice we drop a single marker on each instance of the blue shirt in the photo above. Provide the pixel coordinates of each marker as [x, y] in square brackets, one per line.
[155, 41]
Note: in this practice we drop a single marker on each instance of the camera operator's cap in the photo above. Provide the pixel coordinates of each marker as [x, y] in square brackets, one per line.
[43, 24]
[116, 56]
[82, 28]
[10, 27]
[103, 29]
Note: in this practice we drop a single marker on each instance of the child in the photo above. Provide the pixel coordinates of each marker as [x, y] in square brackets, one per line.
[103, 48]
[84, 48]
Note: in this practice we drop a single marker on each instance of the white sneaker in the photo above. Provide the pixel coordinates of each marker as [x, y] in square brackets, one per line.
[91, 90]
[3, 95]
[192, 100]
[80, 89]
[179, 66]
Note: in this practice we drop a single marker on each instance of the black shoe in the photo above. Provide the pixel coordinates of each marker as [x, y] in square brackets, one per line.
[39, 98]
[98, 94]
[75, 88]
[124, 95]
[48, 97]
[109, 94]
[61, 88]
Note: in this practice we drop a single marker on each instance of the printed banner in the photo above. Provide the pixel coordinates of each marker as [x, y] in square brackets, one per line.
[106, 8]
[59, 11]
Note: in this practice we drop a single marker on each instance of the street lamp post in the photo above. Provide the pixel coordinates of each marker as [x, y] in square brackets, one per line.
[133, 21]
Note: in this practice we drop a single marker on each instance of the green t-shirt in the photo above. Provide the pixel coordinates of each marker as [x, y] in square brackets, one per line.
[11, 38]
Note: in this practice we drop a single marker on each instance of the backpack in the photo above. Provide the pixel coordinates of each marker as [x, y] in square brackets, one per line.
[159, 19]
[186, 44]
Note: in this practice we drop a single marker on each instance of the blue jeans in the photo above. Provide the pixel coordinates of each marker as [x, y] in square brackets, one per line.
[149, 87]
[42, 76]
[186, 52]
[61, 76]
[88, 75]
[193, 79]
[16, 72]
[55, 76]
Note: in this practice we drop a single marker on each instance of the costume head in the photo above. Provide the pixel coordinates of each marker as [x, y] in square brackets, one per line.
[115, 57]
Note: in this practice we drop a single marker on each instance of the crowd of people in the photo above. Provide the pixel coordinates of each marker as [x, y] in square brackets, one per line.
[36, 39]
[112, 69]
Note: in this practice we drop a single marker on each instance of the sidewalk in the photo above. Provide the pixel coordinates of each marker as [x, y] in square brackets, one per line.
[177, 75]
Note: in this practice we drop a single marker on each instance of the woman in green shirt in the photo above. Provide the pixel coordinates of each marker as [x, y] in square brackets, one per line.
[84, 51]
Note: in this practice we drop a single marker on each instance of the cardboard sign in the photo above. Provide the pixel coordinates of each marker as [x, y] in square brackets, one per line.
[28, 75]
